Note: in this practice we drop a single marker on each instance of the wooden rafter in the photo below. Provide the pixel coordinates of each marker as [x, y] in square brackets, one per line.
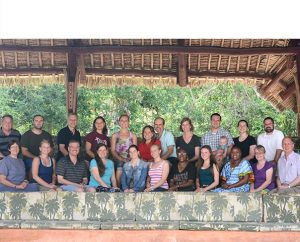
[182, 70]
[288, 92]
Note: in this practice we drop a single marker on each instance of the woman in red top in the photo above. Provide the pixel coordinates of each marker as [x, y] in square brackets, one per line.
[149, 139]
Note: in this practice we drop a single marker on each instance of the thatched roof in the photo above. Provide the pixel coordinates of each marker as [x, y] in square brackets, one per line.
[267, 64]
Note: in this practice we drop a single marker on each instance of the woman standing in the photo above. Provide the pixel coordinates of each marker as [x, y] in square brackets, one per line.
[182, 175]
[264, 179]
[188, 141]
[97, 136]
[149, 139]
[158, 172]
[102, 169]
[120, 143]
[207, 171]
[44, 167]
[12, 172]
[235, 174]
[245, 141]
[134, 173]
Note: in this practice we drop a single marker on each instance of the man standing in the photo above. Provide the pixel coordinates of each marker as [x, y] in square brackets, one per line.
[288, 179]
[7, 134]
[271, 140]
[71, 171]
[32, 139]
[66, 134]
[212, 137]
[167, 141]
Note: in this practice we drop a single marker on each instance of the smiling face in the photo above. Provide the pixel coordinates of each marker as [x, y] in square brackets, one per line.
[182, 155]
[14, 150]
[133, 153]
[102, 152]
[99, 124]
[235, 154]
[287, 145]
[259, 154]
[155, 151]
[186, 127]
[215, 122]
[73, 148]
[147, 134]
[243, 127]
[159, 126]
[45, 148]
[124, 122]
[72, 121]
[205, 154]
[7, 124]
[268, 125]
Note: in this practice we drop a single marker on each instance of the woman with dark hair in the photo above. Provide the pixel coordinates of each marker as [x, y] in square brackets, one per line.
[12, 172]
[134, 173]
[149, 139]
[236, 174]
[245, 141]
[188, 141]
[97, 136]
[102, 169]
[207, 170]
[182, 175]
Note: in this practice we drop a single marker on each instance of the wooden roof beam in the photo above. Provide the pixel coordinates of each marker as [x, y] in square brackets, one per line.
[31, 71]
[182, 73]
[288, 92]
[164, 49]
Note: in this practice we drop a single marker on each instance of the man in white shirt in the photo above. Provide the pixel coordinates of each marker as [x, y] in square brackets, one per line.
[271, 139]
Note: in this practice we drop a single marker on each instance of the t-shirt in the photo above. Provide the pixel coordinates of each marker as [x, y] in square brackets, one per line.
[144, 150]
[188, 147]
[69, 171]
[212, 139]
[64, 136]
[5, 139]
[260, 176]
[245, 144]
[94, 138]
[13, 169]
[32, 141]
[179, 178]
[109, 169]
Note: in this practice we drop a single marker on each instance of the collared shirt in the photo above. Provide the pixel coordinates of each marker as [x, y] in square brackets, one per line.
[166, 140]
[212, 139]
[14, 135]
[70, 171]
[288, 169]
[271, 142]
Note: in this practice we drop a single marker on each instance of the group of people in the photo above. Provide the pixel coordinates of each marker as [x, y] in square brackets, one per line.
[215, 162]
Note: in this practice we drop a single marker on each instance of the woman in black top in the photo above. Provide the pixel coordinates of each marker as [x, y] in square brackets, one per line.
[245, 142]
[188, 141]
[182, 175]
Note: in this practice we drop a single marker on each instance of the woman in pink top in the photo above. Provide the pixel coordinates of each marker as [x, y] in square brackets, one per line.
[158, 172]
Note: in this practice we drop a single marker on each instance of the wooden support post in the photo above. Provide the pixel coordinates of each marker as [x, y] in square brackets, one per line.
[297, 86]
[182, 74]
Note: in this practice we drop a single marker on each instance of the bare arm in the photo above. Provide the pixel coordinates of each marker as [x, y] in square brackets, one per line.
[251, 153]
[113, 149]
[295, 182]
[241, 182]
[277, 155]
[197, 152]
[95, 173]
[7, 183]
[269, 174]
[26, 153]
[1, 155]
[88, 149]
[216, 180]
[113, 180]
[62, 149]
[63, 181]
[168, 153]
[164, 177]
[35, 175]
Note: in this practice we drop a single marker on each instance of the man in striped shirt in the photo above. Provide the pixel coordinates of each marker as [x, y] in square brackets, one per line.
[7, 134]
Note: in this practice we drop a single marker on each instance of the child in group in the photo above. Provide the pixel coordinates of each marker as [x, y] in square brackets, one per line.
[220, 154]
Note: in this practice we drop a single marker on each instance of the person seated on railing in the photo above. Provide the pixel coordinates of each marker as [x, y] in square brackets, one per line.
[236, 174]
[188, 141]
[71, 171]
[207, 170]
[263, 171]
[102, 169]
[44, 168]
[158, 172]
[182, 175]
[120, 142]
[149, 138]
[135, 172]
[12, 172]
[97, 136]
[288, 176]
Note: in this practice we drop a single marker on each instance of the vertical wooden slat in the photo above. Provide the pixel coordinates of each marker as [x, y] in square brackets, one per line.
[297, 85]
[52, 54]
[101, 55]
[91, 55]
[40, 56]
[2, 55]
[143, 43]
[151, 56]
[259, 56]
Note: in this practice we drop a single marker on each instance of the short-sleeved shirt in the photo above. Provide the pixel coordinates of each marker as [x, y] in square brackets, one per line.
[32, 141]
[13, 169]
[212, 139]
[245, 144]
[271, 142]
[188, 147]
[288, 169]
[5, 139]
[64, 136]
[144, 150]
[109, 169]
[179, 178]
[70, 171]
[260, 176]
[166, 140]
[94, 138]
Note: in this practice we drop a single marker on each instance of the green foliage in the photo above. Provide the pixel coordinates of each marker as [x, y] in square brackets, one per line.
[233, 102]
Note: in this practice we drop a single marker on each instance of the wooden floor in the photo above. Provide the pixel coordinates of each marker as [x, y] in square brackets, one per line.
[12, 235]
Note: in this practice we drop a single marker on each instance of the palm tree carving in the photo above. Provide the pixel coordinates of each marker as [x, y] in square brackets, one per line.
[16, 203]
[201, 208]
[70, 202]
[166, 202]
[148, 208]
[244, 199]
[36, 211]
[3, 206]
